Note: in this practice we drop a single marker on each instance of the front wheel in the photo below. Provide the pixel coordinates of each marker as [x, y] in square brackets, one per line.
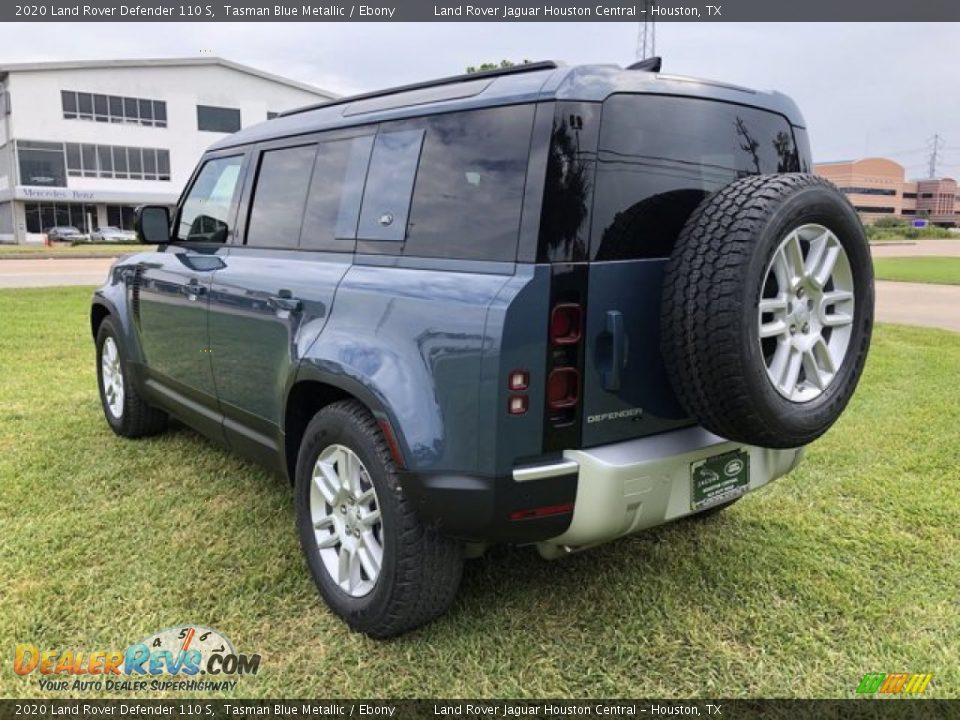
[126, 412]
[377, 566]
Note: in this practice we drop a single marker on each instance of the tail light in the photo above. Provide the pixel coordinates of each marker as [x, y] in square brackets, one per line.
[563, 388]
[565, 356]
[566, 324]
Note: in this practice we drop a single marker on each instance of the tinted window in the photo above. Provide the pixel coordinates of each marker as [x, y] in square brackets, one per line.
[386, 200]
[469, 188]
[333, 203]
[568, 186]
[660, 156]
[281, 191]
[205, 213]
[218, 119]
[69, 100]
[41, 166]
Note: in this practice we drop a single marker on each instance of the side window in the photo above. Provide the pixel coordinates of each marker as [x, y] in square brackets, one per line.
[469, 189]
[276, 212]
[386, 200]
[333, 203]
[205, 213]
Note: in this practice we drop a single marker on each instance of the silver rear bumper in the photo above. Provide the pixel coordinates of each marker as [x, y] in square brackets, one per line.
[637, 484]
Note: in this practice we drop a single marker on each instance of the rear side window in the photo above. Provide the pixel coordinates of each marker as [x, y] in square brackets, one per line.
[658, 157]
[206, 211]
[333, 203]
[468, 192]
[276, 212]
[386, 200]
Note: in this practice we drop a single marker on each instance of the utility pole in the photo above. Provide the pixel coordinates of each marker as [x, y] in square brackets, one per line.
[936, 143]
[647, 34]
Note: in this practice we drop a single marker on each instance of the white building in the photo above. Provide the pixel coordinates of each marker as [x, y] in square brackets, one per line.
[84, 143]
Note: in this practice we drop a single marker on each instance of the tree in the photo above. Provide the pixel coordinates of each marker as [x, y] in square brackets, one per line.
[495, 66]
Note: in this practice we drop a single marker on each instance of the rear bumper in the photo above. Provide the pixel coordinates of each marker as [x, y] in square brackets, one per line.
[638, 484]
[585, 498]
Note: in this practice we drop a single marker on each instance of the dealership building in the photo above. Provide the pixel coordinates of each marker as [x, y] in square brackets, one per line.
[878, 188]
[84, 143]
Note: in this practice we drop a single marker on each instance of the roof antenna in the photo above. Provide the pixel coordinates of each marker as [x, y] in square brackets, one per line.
[650, 64]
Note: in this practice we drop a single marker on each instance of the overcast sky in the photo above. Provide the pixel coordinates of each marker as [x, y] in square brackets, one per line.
[865, 89]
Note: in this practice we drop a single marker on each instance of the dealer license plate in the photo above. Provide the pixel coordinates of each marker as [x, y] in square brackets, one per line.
[719, 479]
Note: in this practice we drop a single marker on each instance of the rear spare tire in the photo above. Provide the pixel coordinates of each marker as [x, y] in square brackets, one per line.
[767, 309]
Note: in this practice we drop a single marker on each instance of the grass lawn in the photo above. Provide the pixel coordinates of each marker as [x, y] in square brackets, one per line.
[849, 565]
[939, 270]
[69, 250]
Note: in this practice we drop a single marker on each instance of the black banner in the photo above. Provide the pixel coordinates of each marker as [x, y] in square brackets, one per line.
[133, 709]
[483, 11]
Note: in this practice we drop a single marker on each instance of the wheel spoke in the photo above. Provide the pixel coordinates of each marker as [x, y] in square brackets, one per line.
[325, 521]
[785, 367]
[327, 541]
[776, 304]
[370, 555]
[773, 329]
[366, 496]
[344, 568]
[327, 481]
[371, 518]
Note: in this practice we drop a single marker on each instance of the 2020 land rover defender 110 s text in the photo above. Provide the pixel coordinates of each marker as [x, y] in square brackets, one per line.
[544, 305]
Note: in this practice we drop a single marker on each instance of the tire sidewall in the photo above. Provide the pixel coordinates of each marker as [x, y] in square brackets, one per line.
[329, 428]
[820, 205]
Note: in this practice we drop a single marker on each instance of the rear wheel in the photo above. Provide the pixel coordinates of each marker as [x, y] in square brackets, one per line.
[375, 563]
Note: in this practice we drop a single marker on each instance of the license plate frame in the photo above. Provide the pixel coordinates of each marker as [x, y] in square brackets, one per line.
[719, 479]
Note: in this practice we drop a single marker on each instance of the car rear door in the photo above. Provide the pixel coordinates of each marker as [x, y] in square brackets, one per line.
[273, 295]
[657, 158]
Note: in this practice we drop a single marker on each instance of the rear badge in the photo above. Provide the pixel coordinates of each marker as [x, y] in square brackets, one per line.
[618, 415]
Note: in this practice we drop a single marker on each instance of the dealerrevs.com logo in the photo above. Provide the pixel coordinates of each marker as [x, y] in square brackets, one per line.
[182, 658]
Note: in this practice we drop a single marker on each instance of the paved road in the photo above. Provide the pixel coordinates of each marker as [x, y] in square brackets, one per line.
[939, 248]
[905, 303]
[60, 271]
[919, 304]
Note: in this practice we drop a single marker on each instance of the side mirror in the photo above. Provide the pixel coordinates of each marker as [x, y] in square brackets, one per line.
[152, 224]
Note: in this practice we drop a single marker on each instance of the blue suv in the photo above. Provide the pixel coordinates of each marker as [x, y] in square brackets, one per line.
[544, 305]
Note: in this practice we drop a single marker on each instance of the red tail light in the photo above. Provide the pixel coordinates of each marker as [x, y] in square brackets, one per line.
[563, 388]
[544, 511]
[566, 324]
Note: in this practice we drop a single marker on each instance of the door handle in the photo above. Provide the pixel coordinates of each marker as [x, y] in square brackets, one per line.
[285, 302]
[618, 351]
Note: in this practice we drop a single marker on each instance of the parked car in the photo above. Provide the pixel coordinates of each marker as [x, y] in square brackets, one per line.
[541, 305]
[112, 234]
[63, 233]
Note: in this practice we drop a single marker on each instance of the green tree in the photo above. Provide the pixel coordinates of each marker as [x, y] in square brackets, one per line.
[495, 66]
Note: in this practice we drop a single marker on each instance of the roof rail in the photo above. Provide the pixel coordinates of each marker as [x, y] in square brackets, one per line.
[451, 80]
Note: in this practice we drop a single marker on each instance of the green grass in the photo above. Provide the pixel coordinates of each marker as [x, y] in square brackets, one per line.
[849, 565]
[902, 232]
[939, 270]
[70, 250]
